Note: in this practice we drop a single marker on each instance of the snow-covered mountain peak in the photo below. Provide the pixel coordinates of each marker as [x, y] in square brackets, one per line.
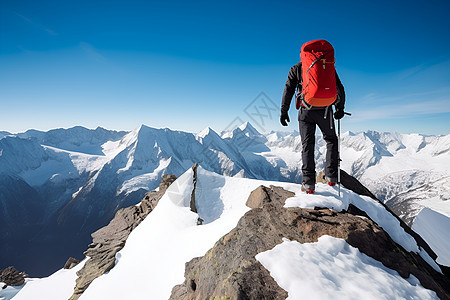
[248, 128]
[204, 132]
[142, 134]
[441, 145]
[112, 148]
[75, 139]
[246, 137]
[392, 142]
[3, 134]
[275, 136]
[208, 131]
[358, 142]
[18, 155]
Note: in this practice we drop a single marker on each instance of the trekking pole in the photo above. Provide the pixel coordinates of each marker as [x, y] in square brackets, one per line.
[339, 154]
[339, 158]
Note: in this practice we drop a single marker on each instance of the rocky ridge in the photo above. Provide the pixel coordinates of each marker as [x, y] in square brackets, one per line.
[10, 276]
[230, 271]
[70, 263]
[108, 240]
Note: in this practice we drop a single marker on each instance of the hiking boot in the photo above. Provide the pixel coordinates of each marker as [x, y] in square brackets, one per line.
[331, 181]
[307, 188]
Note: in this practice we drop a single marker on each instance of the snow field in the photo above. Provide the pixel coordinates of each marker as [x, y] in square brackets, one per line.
[434, 228]
[436, 203]
[142, 181]
[332, 269]
[59, 285]
[9, 292]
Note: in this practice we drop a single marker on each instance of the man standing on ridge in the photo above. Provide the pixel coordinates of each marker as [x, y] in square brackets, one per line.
[318, 87]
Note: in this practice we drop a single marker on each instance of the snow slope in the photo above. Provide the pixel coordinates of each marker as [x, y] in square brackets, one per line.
[4, 133]
[434, 228]
[170, 236]
[336, 270]
[154, 257]
[57, 286]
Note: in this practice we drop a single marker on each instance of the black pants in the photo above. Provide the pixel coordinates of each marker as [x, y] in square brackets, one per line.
[308, 120]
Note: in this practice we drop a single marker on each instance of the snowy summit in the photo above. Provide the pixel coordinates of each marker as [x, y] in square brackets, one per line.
[217, 236]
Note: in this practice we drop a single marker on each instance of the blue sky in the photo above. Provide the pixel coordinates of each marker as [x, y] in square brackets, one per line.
[189, 65]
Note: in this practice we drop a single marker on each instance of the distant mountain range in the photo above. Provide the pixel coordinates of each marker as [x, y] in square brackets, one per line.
[59, 186]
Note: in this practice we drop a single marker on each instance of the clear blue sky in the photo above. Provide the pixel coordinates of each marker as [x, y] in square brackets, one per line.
[189, 65]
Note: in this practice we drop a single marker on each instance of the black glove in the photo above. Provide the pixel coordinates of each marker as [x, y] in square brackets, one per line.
[339, 114]
[284, 117]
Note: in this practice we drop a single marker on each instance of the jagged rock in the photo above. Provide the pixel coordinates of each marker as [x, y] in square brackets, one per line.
[230, 271]
[194, 178]
[71, 262]
[109, 240]
[445, 270]
[150, 200]
[192, 204]
[11, 276]
[260, 196]
[167, 180]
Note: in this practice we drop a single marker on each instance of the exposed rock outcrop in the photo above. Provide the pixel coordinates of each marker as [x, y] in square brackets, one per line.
[192, 204]
[230, 271]
[71, 262]
[11, 276]
[107, 241]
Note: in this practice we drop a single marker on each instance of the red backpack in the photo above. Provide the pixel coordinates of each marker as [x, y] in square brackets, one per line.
[318, 74]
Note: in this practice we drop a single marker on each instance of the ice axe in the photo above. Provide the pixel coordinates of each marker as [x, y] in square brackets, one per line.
[339, 154]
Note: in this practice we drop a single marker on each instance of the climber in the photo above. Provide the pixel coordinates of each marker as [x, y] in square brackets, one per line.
[318, 88]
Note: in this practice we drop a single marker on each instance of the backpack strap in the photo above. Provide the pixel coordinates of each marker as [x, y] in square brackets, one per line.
[305, 104]
[298, 95]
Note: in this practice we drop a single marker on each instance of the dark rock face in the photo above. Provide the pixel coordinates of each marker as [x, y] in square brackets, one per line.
[230, 271]
[350, 183]
[71, 262]
[107, 241]
[11, 276]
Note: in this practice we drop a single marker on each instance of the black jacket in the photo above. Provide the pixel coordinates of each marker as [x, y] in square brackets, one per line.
[294, 80]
